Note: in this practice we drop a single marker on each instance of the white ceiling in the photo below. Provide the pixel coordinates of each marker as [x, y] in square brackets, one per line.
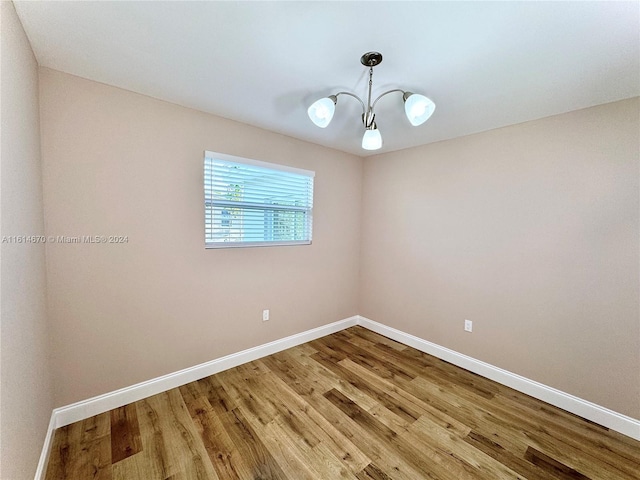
[485, 64]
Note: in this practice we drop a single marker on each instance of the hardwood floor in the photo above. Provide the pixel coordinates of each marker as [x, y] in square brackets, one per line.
[352, 405]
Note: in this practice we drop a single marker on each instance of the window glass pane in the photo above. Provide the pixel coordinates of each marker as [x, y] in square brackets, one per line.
[255, 203]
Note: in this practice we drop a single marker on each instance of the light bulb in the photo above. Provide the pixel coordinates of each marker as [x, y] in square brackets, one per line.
[321, 111]
[372, 140]
[418, 108]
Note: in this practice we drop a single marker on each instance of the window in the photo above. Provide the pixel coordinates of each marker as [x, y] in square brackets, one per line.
[252, 203]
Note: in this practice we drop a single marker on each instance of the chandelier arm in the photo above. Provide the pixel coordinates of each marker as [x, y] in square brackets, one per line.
[369, 107]
[354, 96]
[383, 94]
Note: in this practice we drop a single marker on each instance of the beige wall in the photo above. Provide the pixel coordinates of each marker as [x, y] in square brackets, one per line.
[532, 232]
[119, 163]
[25, 383]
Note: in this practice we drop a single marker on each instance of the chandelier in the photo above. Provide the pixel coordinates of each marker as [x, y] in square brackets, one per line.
[418, 108]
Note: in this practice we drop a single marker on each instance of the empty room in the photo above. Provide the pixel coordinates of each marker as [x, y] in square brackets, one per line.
[300, 240]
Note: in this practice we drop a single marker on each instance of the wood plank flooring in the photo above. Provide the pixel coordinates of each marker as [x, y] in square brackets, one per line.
[352, 405]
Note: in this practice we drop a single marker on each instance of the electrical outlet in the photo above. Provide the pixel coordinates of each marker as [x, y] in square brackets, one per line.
[265, 315]
[468, 326]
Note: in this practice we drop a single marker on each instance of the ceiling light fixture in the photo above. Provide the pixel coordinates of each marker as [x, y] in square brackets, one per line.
[417, 108]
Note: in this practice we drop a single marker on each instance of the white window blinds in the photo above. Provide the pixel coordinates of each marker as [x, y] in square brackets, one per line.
[253, 203]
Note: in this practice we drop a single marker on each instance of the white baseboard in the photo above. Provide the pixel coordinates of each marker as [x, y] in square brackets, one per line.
[591, 411]
[103, 403]
[41, 469]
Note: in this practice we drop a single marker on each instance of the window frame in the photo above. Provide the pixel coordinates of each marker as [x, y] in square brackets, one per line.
[270, 166]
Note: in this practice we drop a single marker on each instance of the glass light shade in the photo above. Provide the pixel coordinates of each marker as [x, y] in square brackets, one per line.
[418, 108]
[321, 111]
[372, 140]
